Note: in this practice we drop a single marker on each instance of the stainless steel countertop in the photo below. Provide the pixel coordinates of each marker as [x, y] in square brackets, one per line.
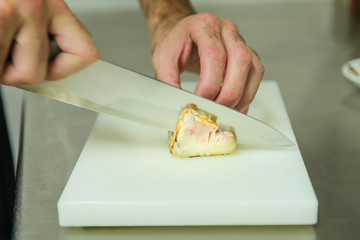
[302, 44]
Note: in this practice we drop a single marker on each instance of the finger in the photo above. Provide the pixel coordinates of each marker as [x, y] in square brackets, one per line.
[256, 73]
[29, 59]
[77, 46]
[166, 64]
[246, 111]
[168, 73]
[30, 47]
[239, 58]
[174, 55]
[212, 57]
[8, 26]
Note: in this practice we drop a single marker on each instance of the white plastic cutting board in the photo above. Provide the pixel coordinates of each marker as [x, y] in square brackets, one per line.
[125, 176]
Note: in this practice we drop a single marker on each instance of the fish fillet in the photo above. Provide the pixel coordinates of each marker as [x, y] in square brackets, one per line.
[198, 134]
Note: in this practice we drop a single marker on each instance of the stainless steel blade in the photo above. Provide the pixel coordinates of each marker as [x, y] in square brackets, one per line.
[110, 89]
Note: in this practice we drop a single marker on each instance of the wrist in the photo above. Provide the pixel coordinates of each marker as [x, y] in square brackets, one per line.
[163, 15]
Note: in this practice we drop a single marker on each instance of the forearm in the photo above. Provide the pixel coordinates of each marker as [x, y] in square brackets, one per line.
[162, 15]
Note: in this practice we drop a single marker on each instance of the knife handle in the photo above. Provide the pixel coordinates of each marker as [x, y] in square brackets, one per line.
[54, 49]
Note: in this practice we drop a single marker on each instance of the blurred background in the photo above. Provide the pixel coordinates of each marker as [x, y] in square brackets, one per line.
[302, 44]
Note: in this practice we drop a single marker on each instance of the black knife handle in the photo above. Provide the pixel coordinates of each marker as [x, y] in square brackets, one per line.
[54, 49]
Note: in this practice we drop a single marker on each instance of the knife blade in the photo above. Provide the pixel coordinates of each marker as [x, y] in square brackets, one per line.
[107, 88]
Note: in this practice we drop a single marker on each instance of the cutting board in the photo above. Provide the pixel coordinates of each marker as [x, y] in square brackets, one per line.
[125, 176]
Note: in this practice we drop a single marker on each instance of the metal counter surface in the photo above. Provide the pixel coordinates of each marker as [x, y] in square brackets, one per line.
[302, 45]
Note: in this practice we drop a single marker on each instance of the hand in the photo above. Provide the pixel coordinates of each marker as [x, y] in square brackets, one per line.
[27, 25]
[230, 71]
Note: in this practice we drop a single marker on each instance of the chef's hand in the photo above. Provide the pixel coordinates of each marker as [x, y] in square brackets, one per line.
[26, 25]
[230, 71]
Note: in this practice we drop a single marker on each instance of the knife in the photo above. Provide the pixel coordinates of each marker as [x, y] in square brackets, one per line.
[111, 89]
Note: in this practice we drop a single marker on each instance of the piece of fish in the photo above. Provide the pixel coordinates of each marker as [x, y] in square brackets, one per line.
[198, 134]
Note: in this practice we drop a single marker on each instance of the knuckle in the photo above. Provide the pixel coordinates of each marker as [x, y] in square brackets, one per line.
[209, 91]
[7, 12]
[247, 99]
[30, 76]
[36, 9]
[261, 69]
[231, 30]
[35, 5]
[234, 95]
[229, 24]
[91, 55]
[246, 54]
[216, 53]
[211, 25]
[243, 54]
[209, 18]
[212, 32]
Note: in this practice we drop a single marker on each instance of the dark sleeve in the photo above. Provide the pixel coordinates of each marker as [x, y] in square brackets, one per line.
[7, 180]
